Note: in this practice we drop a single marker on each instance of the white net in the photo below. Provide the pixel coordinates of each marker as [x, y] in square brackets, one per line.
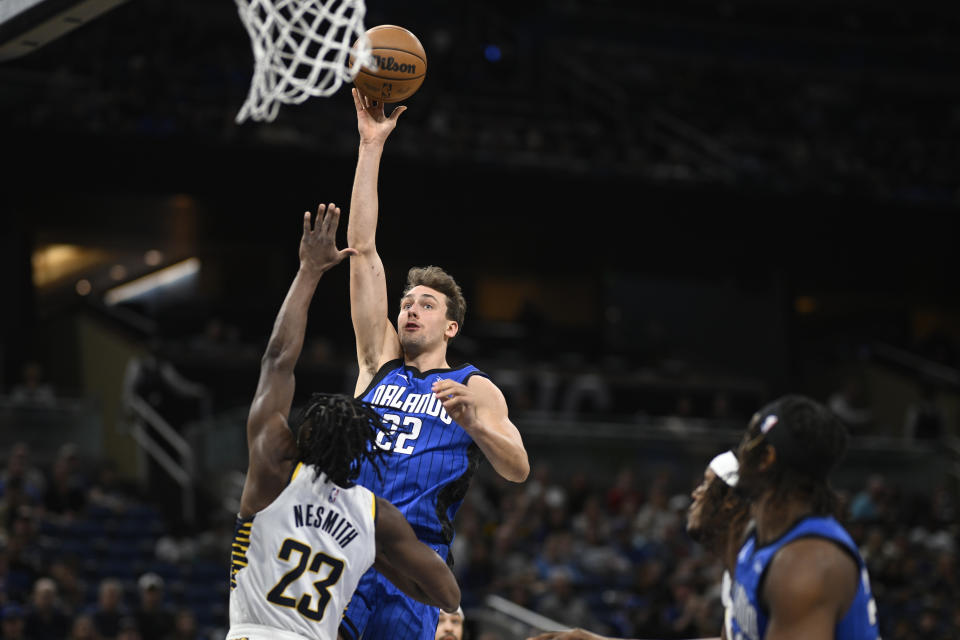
[301, 48]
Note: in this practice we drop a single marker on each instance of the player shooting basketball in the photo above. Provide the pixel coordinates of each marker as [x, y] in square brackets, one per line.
[443, 417]
[305, 532]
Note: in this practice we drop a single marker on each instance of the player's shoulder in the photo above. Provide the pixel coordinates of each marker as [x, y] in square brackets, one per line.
[810, 567]
[465, 371]
[477, 379]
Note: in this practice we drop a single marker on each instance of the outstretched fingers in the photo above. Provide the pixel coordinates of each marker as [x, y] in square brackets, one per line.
[357, 99]
[330, 219]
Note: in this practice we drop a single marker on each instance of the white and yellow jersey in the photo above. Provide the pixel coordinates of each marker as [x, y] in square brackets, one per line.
[726, 598]
[296, 563]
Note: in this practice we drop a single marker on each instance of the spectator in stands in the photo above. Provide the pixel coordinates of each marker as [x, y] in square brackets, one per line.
[868, 503]
[557, 554]
[24, 555]
[66, 494]
[46, 619]
[154, 619]
[71, 587]
[656, 518]
[562, 602]
[591, 517]
[129, 630]
[184, 626]
[32, 388]
[12, 624]
[20, 467]
[14, 500]
[109, 609]
[83, 629]
[623, 490]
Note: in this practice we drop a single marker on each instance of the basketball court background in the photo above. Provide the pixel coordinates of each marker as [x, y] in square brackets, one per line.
[701, 205]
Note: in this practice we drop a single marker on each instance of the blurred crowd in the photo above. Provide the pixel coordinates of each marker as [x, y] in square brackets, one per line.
[607, 554]
[614, 557]
[65, 571]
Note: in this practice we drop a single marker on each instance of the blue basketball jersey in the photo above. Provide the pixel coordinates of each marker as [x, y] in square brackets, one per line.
[431, 458]
[750, 617]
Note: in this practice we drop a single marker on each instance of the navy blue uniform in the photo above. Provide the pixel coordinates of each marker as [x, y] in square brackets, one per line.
[750, 617]
[426, 477]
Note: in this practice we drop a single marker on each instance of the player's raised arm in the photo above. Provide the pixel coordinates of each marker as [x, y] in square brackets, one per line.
[480, 408]
[376, 337]
[269, 439]
[412, 566]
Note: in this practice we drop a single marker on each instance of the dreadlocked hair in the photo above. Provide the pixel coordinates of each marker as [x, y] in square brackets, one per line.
[810, 441]
[337, 434]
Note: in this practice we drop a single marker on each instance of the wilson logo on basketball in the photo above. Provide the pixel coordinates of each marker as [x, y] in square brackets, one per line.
[389, 64]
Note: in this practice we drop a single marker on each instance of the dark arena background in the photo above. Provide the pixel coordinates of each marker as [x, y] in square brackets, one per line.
[663, 216]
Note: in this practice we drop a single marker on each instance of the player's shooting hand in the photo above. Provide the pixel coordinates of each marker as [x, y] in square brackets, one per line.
[575, 634]
[459, 401]
[374, 125]
[318, 246]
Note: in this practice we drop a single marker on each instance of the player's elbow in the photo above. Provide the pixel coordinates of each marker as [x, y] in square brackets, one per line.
[522, 474]
[449, 598]
[524, 471]
[277, 358]
[519, 469]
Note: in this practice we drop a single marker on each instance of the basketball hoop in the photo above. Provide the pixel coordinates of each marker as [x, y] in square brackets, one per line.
[301, 48]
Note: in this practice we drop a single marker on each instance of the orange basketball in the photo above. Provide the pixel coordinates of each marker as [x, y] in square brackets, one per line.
[402, 65]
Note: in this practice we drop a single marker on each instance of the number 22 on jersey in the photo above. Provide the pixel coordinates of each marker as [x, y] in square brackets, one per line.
[405, 441]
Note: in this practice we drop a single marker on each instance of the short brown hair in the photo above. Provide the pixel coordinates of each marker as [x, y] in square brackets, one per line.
[437, 278]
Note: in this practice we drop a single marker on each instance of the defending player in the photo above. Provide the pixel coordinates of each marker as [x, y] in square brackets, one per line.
[305, 532]
[443, 417]
[799, 573]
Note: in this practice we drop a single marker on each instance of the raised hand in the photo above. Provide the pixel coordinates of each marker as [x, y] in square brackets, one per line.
[374, 125]
[318, 246]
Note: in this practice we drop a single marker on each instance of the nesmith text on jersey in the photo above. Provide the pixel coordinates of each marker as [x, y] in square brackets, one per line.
[309, 515]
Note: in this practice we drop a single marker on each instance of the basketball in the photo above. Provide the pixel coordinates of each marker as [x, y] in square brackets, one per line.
[402, 65]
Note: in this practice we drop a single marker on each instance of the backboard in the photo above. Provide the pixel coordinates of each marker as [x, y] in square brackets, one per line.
[27, 25]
